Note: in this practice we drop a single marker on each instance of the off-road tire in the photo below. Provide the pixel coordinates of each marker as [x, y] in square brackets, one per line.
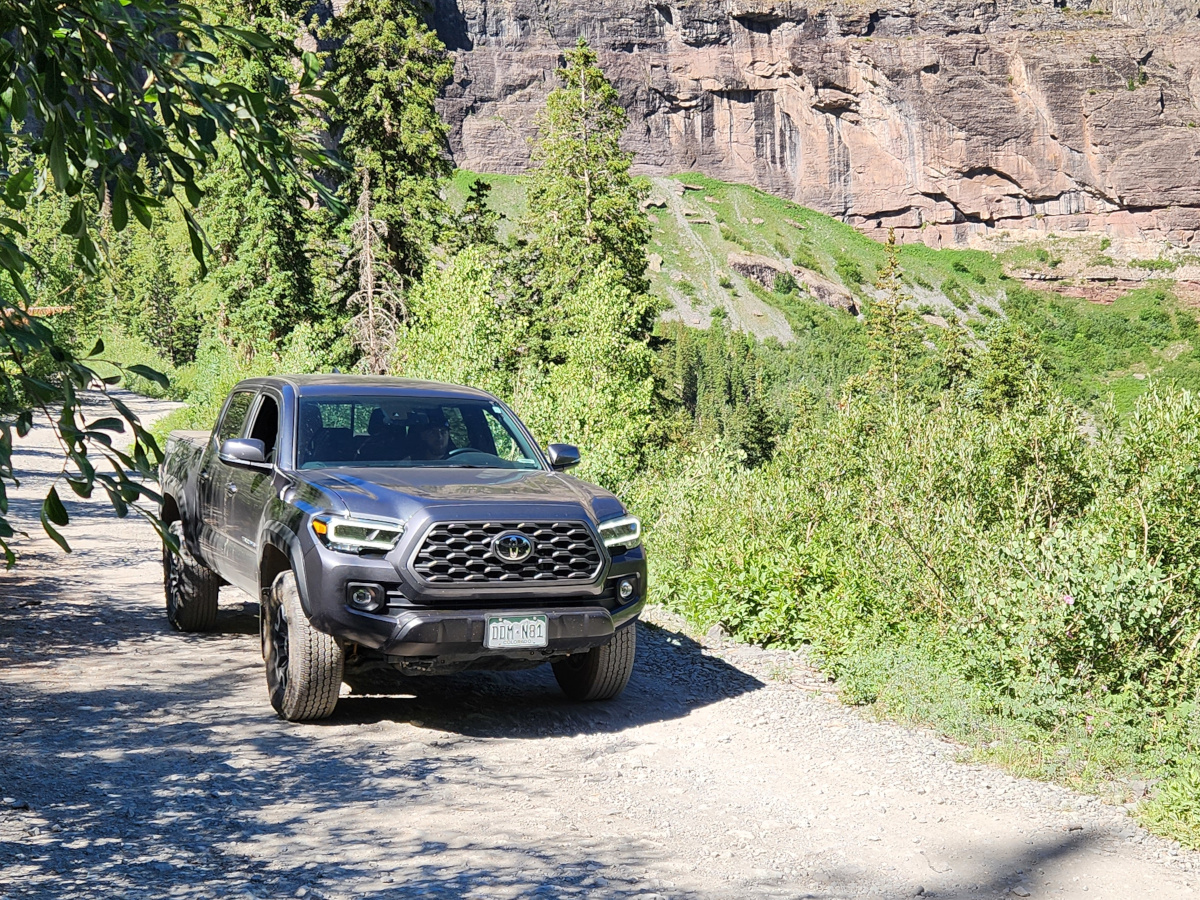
[190, 587]
[304, 666]
[602, 672]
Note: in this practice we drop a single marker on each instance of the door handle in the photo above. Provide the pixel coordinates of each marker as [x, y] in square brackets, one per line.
[231, 488]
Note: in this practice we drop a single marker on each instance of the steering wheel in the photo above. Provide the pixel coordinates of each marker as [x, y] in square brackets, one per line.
[458, 451]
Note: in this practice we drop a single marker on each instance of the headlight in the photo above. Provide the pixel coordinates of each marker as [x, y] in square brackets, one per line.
[625, 532]
[352, 535]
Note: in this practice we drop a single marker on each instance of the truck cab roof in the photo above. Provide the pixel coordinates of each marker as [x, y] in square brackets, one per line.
[367, 385]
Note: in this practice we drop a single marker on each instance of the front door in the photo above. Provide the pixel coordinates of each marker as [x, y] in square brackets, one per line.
[254, 490]
[215, 481]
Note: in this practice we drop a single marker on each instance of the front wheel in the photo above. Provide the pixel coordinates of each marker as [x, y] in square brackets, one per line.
[304, 666]
[191, 588]
[602, 672]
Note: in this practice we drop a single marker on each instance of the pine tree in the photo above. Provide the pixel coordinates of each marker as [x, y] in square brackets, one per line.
[376, 300]
[387, 72]
[892, 337]
[476, 222]
[584, 208]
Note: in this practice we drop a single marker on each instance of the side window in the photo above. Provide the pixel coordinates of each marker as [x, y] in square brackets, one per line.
[336, 415]
[235, 415]
[266, 426]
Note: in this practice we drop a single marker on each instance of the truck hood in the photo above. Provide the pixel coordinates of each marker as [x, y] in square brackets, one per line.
[489, 493]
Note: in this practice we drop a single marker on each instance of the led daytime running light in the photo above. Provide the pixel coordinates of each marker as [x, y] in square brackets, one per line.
[354, 535]
[624, 532]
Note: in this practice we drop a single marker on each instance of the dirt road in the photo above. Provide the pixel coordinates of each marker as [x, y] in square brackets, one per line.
[138, 762]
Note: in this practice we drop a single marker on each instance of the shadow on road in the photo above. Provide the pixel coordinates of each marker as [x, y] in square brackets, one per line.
[992, 873]
[672, 677]
[123, 779]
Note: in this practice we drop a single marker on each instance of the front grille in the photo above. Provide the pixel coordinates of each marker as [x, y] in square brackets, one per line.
[461, 552]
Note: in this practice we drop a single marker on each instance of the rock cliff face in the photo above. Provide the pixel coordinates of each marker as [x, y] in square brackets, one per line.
[942, 118]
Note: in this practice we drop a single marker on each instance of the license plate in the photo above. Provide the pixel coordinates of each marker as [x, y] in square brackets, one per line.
[513, 632]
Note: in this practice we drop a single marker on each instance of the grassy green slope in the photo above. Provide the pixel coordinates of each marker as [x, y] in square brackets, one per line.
[1097, 351]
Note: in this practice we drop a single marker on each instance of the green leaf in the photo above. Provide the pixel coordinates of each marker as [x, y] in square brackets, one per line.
[120, 212]
[16, 102]
[20, 183]
[53, 509]
[138, 207]
[74, 223]
[151, 375]
[197, 241]
[109, 423]
[13, 225]
[118, 503]
[312, 69]
[54, 535]
[324, 94]
[56, 157]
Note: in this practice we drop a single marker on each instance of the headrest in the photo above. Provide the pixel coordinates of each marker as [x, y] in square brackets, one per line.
[378, 421]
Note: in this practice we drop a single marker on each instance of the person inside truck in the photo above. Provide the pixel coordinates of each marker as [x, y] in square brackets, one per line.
[430, 438]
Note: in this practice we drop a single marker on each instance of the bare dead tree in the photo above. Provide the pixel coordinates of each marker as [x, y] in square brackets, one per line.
[377, 299]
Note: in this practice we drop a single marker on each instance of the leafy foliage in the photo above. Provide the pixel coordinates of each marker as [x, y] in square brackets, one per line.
[892, 339]
[115, 102]
[723, 381]
[569, 345]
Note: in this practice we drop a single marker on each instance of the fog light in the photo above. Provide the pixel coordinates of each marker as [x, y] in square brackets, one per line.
[626, 589]
[364, 596]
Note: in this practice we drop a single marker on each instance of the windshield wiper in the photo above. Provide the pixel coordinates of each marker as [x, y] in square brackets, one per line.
[483, 466]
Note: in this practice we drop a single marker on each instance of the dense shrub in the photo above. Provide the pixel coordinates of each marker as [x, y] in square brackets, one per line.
[969, 563]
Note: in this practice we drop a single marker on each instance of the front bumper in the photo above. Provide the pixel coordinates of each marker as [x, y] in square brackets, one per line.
[422, 624]
[457, 635]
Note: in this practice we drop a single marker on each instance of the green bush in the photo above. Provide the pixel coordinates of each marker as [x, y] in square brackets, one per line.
[958, 295]
[784, 283]
[805, 258]
[989, 569]
[1155, 265]
[849, 271]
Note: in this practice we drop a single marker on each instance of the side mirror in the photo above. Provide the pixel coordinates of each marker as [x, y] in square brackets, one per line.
[243, 452]
[563, 456]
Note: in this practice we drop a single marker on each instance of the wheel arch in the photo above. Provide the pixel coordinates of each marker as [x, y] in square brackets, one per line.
[170, 509]
[274, 561]
[281, 552]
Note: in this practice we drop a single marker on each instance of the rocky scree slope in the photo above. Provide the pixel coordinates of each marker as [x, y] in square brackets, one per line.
[943, 118]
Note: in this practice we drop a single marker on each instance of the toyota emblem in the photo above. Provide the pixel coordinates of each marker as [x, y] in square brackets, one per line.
[512, 547]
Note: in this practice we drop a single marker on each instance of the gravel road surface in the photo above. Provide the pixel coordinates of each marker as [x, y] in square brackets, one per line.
[139, 762]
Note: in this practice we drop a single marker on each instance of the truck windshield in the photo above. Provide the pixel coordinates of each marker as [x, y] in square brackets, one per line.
[410, 431]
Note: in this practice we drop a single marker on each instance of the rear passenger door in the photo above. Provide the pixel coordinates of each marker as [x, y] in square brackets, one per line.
[254, 490]
[214, 481]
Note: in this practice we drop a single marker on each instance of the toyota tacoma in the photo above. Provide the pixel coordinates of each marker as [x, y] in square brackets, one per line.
[398, 524]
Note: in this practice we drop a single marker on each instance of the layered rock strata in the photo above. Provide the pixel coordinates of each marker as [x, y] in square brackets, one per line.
[945, 119]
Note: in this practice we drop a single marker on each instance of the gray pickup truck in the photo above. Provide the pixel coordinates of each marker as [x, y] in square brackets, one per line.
[406, 525]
